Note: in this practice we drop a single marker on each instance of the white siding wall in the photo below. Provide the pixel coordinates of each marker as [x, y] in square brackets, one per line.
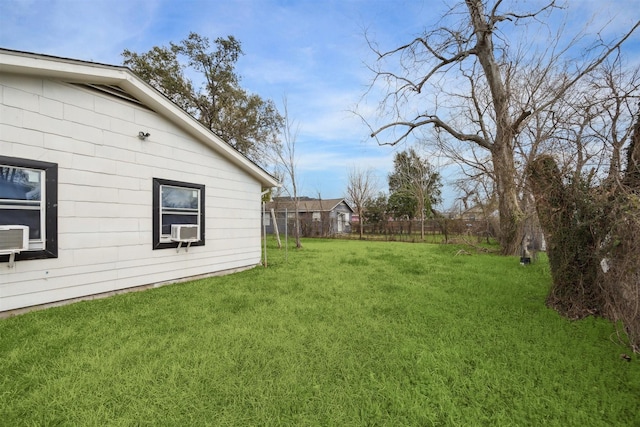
[105, 178]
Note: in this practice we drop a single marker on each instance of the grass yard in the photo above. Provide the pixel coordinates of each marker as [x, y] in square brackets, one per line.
[345, 333]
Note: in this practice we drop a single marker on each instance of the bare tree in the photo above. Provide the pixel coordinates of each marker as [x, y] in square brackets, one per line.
[361, 188]
[286, 160]
[465, 73]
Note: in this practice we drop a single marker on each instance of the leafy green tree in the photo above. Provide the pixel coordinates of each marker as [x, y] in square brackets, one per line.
[414, 187]
[244, 120]
[376, 210]
[402, 205]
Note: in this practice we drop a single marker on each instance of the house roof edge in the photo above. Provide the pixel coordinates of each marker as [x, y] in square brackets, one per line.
[79, 71]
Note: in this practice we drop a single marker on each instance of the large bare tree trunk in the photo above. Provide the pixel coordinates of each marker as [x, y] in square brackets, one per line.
[509, 211]
[502, 148]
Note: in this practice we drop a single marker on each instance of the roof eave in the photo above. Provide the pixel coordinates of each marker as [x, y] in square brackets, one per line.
[76, 71]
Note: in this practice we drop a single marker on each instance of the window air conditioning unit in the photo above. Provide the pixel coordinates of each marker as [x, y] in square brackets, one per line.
[13, 239]
[187, 233]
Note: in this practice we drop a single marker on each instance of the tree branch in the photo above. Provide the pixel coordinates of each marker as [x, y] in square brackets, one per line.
[562, 90]
[438, 123]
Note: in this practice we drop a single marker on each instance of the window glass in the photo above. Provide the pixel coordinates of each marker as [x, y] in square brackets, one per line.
[179, 206]
[179, 198]
[21, 192]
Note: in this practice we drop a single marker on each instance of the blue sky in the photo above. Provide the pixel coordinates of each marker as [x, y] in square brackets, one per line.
[314, 52]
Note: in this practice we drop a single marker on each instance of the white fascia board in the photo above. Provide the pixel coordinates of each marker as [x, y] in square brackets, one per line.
[59, 68]
[88, 72]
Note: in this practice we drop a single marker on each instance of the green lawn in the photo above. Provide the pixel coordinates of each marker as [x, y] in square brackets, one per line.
[345, 333]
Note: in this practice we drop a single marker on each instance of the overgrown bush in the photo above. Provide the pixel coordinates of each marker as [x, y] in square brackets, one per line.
[593, 241]
[619, 273]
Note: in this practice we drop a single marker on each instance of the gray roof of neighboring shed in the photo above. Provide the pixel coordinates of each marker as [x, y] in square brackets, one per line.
[307, 205]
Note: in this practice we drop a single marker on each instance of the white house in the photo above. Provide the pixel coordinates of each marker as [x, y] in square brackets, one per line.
[99, 166]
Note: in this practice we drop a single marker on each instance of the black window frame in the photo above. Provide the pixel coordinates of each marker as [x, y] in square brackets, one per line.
[157, 208]
[51, 208]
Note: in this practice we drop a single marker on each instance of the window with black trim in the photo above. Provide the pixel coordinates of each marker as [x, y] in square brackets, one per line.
[176, 202]
[29, 196]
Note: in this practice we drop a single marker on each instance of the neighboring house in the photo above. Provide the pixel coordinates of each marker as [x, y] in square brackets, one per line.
[100, 165]
[474, 213]
[318, 217]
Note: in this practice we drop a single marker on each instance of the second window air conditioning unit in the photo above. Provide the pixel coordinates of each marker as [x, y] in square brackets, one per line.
[187, 233]
[13, 239]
